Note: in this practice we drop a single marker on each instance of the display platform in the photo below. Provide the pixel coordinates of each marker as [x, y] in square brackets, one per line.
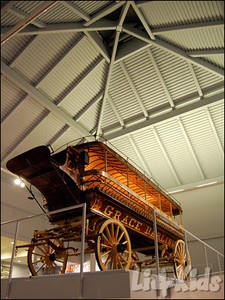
[111, 284]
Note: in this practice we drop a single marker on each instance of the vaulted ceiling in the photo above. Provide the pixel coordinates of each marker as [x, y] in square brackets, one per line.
[148, 76]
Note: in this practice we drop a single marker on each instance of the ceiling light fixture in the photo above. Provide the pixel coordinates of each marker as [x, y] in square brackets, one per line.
[176, 191]
[205, 184]
[19, 182]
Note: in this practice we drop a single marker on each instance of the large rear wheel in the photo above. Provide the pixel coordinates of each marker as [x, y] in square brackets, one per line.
[182, 261]
[113, 247]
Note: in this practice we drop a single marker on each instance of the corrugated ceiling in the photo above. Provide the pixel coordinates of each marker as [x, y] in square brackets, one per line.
[146, 75]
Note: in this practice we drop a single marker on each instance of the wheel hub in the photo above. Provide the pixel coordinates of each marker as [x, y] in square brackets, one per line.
[52, 257]
[121, 248]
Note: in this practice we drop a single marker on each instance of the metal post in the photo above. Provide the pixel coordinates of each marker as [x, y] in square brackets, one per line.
[219, 264]
[206, 258]
[12, 259]
[156, 250]
[186, 253]
[82, 249]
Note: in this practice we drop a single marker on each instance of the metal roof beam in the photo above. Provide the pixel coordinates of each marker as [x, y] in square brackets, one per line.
[214, 132]
[195, 80]
[21, 14]
[30, 18]
[201, 25]
[134, 89]
[171, 49]
[166, 156]
[112, 104]
[43, 100]
[82, 76]
[63, 28]
[118, 30]
[143, 21]
[191, 148]
[196, 185]
[205, 52]
[98, 44]
[20, 53]
[160, 77]
[61, 57]
[76, 9]
[109, 135]
[144, 165]
[142, 3]
[104, 12]
[94, 100]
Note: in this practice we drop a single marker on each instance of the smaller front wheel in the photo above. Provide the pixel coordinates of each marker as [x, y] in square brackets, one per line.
[113, 247]
[44, 259]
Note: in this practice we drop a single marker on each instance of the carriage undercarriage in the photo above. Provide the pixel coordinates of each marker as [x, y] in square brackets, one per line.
[50, 250]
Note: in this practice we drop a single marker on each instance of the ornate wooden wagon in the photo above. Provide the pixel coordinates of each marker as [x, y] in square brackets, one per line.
[120, 204]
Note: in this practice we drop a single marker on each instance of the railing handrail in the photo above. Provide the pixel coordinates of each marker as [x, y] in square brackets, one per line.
[81, 205]
[198, 239]
[43, 214]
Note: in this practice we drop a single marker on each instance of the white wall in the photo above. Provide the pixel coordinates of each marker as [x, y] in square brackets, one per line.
[203, 216]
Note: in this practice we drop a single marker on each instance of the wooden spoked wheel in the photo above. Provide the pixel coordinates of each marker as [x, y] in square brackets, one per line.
[182, 260]
[113, 247]
[46, 259]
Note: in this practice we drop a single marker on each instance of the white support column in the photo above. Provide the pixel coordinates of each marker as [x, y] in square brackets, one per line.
[119, 28]
[191, 148]
[134, 89]
[166, 156]
[160, 77]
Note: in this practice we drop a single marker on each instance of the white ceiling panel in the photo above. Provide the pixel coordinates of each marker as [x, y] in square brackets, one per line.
[203, 140]
[95, 81]
[69, 70]
[43, 53]
[216, 112]
[179, 82]
[13, 48]
[10, 96]
[162, 104]
[91, 7]
[27, 115]
[168, 13]
[197, 38]
[145, 80]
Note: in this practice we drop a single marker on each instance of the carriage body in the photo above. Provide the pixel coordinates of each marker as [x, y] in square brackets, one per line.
[114, 190]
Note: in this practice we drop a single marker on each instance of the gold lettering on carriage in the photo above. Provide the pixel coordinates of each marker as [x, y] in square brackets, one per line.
[133, 224]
